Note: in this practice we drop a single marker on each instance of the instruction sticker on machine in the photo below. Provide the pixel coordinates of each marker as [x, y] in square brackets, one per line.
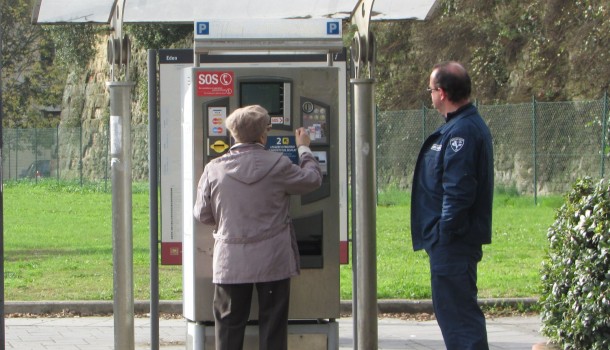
[215, 83]
[216, 121]
[286, 145]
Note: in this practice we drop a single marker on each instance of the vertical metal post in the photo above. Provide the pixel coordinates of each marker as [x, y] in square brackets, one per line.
[17, 142]
[36, 170]
[423, 124]
[107, 157]
[57, 152]
[375, 114]
[80, 153]
[9, 152]
[534, 146]
[364, 172]
[366, 197]
[153, 198]
[353, 222]
[604, 133]
[119, 53]
[122, 235]
[2, 330]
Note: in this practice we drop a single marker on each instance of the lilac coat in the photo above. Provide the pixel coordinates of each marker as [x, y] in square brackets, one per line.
[245, 194]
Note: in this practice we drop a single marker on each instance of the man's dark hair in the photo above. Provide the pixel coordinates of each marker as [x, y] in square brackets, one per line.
[453, 79]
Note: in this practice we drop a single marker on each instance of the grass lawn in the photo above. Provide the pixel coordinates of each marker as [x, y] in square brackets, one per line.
[510, 265]
[58, 246]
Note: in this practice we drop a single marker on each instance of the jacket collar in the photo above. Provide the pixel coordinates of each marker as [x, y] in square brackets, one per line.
[457, 112]
[462, 112]
[240, 147]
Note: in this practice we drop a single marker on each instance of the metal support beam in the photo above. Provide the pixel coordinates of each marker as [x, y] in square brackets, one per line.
[364, 169]
[120, 164]
[122, 230]
[2, 325]
[365, 218]
[153, 199]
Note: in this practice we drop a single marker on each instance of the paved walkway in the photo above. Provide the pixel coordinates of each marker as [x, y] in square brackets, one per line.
[97, 333]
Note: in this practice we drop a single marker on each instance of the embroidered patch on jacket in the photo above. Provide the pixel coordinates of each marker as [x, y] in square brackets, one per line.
[456, 143]
[436, 147]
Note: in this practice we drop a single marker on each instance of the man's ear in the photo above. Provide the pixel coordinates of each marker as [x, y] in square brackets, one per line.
[442, 94]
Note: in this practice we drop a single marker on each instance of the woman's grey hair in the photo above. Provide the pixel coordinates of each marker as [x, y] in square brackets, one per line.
[248, 124]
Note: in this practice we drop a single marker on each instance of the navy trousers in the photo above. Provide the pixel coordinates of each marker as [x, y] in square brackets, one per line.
[453, 269]
[232, 310]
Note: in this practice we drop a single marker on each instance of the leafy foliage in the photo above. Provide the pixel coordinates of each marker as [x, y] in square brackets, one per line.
[513, 50]
[158, 36]
[36, 59]
[30, 81]
[74, 43]
[575, 296]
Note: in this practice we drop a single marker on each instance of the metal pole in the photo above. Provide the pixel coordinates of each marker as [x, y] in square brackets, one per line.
[154, 206]
[364, 172]
[17, 142]
[375, 114]
[423, 124]
[36, 170]
[107, 156]
[2, 330]
[534, 133]
[80, 153]
[366, 197]
[57, 152]
[9, 151]
[604, 126]
[354, 228]
[122, 235]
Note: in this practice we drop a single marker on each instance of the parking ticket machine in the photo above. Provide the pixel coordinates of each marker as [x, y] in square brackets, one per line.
[298, 90]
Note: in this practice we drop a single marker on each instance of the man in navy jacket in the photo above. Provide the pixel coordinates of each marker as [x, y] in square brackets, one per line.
[451, 206]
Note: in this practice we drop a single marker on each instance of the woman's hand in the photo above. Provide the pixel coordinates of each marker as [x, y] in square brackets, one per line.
[302, 137]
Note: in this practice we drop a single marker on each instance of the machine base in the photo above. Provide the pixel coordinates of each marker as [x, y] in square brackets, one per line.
[302, 335]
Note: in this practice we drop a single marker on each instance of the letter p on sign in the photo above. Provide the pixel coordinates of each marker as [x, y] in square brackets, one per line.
[203, 28]
[332, 28]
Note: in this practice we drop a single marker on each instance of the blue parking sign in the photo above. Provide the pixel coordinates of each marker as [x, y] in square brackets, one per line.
[203, 28]
[332, 28]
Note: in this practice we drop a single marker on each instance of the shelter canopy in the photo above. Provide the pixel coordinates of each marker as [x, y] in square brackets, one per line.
[186, 11]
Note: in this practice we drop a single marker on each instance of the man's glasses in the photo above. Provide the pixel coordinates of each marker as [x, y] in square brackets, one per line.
[429, 89]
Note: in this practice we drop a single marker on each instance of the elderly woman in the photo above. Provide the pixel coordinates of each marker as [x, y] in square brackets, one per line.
[245, 194]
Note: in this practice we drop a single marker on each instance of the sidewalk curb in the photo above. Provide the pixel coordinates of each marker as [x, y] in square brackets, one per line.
[94, 307]
[398, 306]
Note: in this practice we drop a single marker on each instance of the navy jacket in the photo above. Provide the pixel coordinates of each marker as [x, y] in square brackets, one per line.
[453, 183]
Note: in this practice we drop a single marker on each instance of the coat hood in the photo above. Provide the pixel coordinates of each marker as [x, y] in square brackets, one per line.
[250, 163]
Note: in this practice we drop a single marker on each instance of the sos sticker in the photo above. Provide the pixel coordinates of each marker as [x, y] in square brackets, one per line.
[215, 83]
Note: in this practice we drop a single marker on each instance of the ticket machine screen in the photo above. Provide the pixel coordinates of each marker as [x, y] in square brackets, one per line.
[268, 95]
[274, 96]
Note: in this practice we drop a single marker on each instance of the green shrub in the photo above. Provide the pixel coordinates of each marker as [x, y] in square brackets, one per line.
[575, 297]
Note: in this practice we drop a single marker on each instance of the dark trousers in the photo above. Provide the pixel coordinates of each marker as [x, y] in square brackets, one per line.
[454, 295]
[232, 310]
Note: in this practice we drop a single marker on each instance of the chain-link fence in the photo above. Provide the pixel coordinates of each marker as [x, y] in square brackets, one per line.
[540, 147]
[29, 153]
[70, 154]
